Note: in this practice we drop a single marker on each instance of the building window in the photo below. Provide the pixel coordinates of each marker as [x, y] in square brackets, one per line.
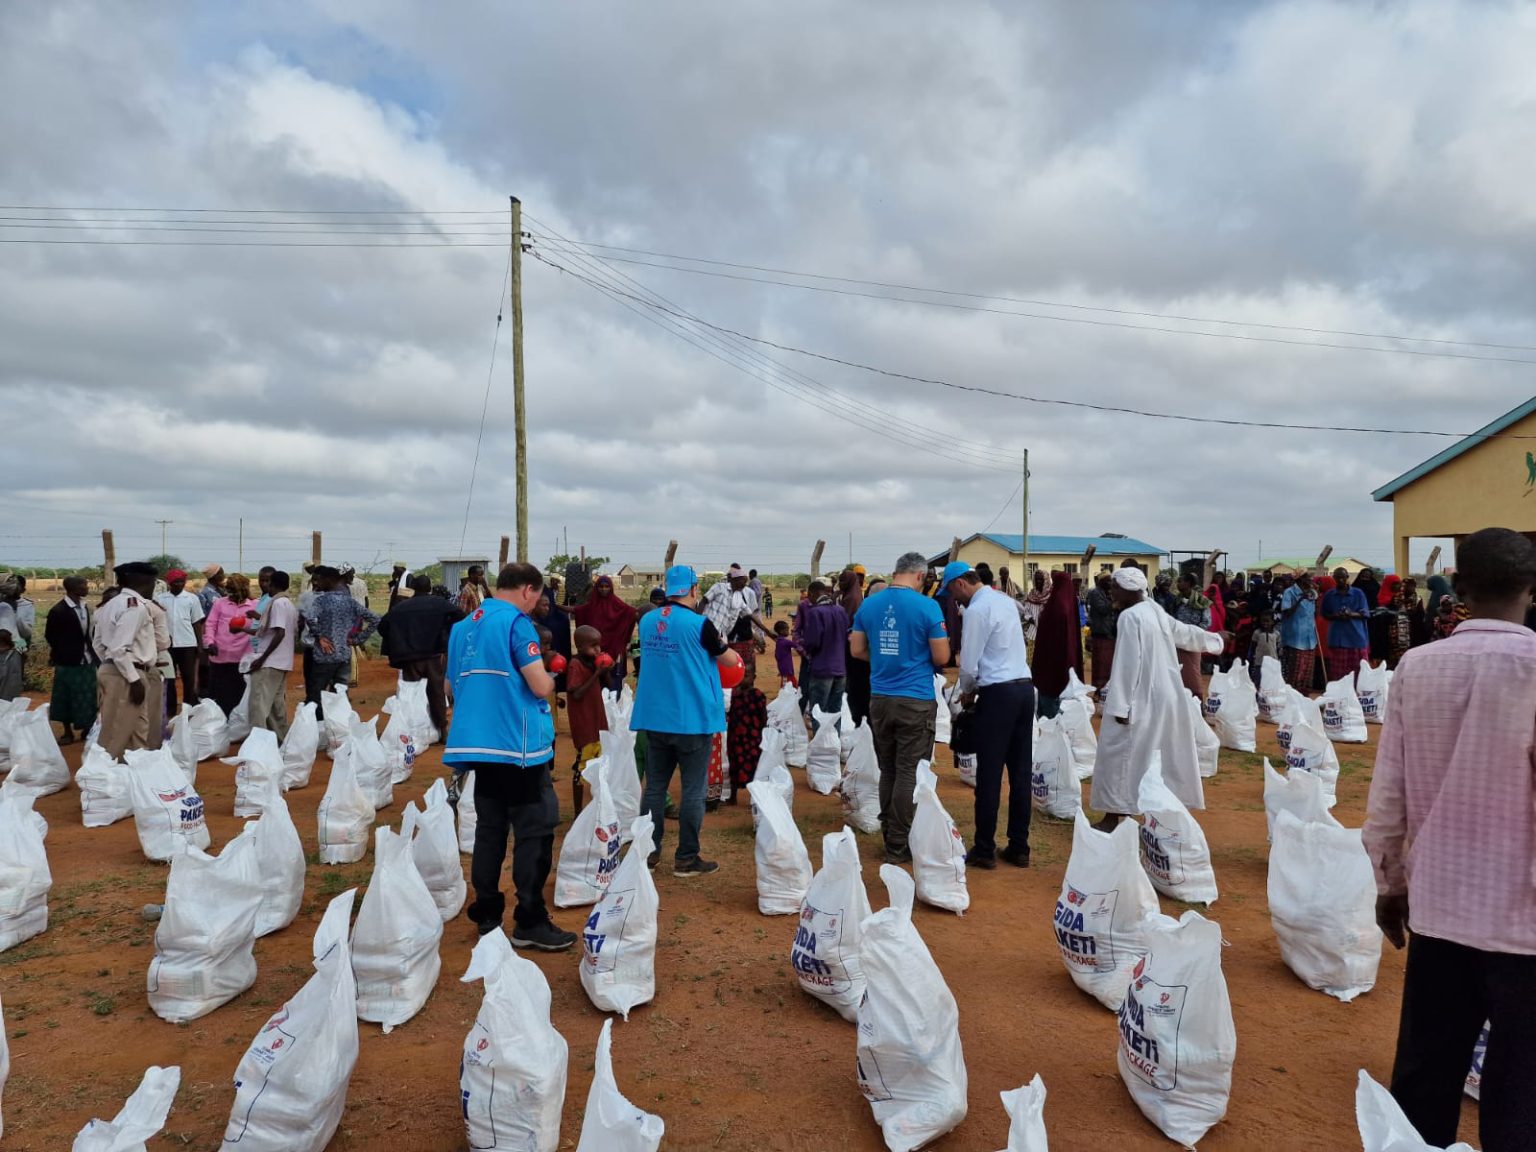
[1069, 569]
[1107, 568]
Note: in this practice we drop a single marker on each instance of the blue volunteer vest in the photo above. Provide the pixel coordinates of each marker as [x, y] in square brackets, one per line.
[496, 717]
[679, 688]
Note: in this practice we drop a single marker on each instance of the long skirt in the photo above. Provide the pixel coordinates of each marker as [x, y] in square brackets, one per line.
[74, 696]
[226, 685]
[1298, 665]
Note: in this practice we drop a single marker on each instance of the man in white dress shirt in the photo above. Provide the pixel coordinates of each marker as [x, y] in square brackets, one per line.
[995, 685]
[128, 683]
[184, 614]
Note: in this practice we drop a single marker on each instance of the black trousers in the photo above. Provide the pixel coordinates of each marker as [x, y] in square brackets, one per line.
[320, 676]
[1001, 730]
[1448, 993]
[519, 801]
[185, 662]
[857, 688]
[225, 684]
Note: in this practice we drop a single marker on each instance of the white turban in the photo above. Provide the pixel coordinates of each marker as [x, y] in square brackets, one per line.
[1131, 579]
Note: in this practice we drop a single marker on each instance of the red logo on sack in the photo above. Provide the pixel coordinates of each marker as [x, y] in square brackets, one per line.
[1139, 969]
[1163, 999]
[483, 1045]
[602, 835]
[276, 1044]
[1074, 896]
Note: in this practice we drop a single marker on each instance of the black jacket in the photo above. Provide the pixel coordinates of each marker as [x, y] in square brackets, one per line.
[69, 646]
[417, 628]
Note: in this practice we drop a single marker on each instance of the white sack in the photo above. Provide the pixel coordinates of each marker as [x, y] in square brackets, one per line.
[10, 711]
[1311, 751]
[589, 854]
[1272, 690]
[965, 768]
[300, 747]
[37, 765]
[1322, 904]
[860, 786]
[1177, 1039]
[1053, 778]
[784, 715]
[1383, 1127]
[238, 725]
[395, 940]
[398, 742]
[612, 1123]
[783, 865]
[24, 874]
[624, 785]
[280, 860]
[823, 757]
[256, 763]
[1372, 690]
[369, 763]
[183, 743]
[1474, 1084]
[1026, 1117]
[1232, 707]
[512, 1041]
[1173, 847]
[1076, 717]
[210, 730]
[1300, 793]
[617, 707]
[1207, 743]
[5, 1063]
[938, 853]
[618, 942]
[771, 769]
[205, 941]
[339, 718]
[167, 811]
[106, 789]
[345, 814]
[846, 728]
[465, 810]
[435, 849]
[141, 1118]
[1106, 896]
[1343, 716]
[412, 696]
[825, 954]
[941, 726]
[291, 1084]
[910, 1062]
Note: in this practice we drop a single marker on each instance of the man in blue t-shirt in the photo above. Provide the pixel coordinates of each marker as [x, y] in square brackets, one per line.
[1346, 610]
[1298, 633]
[503, 731]
[901, 633]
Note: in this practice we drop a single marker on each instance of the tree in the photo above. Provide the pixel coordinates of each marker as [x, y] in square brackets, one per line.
[559, 560]
[165, 563]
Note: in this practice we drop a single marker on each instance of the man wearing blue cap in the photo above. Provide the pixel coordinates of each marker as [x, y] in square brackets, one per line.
[680, 707]
[995, 685]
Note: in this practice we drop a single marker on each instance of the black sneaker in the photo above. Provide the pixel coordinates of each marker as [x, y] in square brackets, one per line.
[652, 860]
[974, 859]
[545, 937]
[1018, 857]
[698, 866]
[486, 927]
[902, 857]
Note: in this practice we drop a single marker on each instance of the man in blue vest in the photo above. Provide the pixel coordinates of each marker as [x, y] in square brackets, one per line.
[680, 707]
[503, 731]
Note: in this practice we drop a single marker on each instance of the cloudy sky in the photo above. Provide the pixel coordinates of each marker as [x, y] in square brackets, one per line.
[1081, 171]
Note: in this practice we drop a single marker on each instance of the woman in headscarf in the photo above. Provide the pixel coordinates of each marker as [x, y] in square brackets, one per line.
[1058, 645]
[1439, 588]
[614, 621]
[1162, 592]
[1369, 585]
[1413, 608]
[1034, 603]
[850, 594]
[226, 648]
[547, 613]
[1383, 625]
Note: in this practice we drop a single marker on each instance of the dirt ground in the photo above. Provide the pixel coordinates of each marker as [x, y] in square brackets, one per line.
[731, 1054]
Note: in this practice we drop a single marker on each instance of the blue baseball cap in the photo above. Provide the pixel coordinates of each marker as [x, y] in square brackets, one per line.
[953, 569]
[680, 580]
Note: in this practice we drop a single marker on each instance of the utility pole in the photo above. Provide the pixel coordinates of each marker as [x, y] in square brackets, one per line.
[519, 411]
[162, 524]
[1024, 576]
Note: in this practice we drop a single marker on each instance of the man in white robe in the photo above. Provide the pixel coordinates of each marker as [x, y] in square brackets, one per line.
[1146, 710]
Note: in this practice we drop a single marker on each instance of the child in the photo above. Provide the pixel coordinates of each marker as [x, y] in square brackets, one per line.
[1265, 642]
[744, 730]
[584, 707]
[784, 654]
[10, 667]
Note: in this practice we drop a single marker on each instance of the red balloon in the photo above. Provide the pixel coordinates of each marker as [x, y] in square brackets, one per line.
[237, 623]
[731, 674]
[604, 662]
[557, 663]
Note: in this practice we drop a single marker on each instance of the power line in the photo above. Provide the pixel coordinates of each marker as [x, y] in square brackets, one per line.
[1006, 505]
[246, 243]
[265, 211]
[486, 404]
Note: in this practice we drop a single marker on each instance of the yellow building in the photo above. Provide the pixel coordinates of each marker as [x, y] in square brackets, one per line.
[1295, 565]
[1487, 480]
[1054, 553]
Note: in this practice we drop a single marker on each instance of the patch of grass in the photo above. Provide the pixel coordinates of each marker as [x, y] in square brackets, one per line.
[103, 1005]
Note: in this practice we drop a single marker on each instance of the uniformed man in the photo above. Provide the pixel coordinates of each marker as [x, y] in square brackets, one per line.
[130, 691]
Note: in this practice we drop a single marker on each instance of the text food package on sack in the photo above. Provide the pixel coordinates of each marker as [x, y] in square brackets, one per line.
[618, 941]
[589, 854]
[1106, 898]
[1207, 743]
[1174, 850]
[1054, 780]
[1232, 707]
[825, 954]
[1343, 714]
[1372, 689]
[167, 811]
[398, 742]
[938, 853]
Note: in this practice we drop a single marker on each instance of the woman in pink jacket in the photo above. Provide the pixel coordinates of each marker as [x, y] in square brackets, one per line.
[227, 647]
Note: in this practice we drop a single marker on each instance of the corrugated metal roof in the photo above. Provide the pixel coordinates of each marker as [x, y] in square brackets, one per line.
[1070, 545]
[1514, 416]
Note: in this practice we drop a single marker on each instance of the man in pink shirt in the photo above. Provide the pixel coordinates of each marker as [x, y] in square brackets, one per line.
[1451, 830]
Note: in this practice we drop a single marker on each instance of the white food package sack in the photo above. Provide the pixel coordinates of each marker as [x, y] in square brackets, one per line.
[1173, 846]
[1300, 793]
[435, 848]
[589, 854]
[938, 853]
[205, 941]
[167, 811]
[1106, 897]
[465, 810]
[1077, 690]
[339, 718]
[1322, 904]
[183, 743]
[846, 727]
[617, 707]
[1053, 778]
[1383, 1127]
[618, 941]
[825, 954]
[345, 814]
[771, 769]
[1371, 689]
[106, 789]
[910, 1063]
[238, 725]
[784, 715]
[1474, 1083]
[300, 747]
[369, 763]
[291, 1084]
[1026, 1117]
[1343, 716]
[1076, 717]
[1232, 707]
[37, 765]
[10, 711]
[412, 695]
[1177, 1039]
[612, 1123]
[1311, 751]
[398, 742]
[823, 757]
[25, 878]
[280, 860]
[783, 865]
[141, 1118]
[942, 726]
[258, 761]
[860, 786]
[395, 940]
[512, 1071]
[210, 730]
[965, 768]
[1207, 743]
[1273, 691]
[624, 785]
